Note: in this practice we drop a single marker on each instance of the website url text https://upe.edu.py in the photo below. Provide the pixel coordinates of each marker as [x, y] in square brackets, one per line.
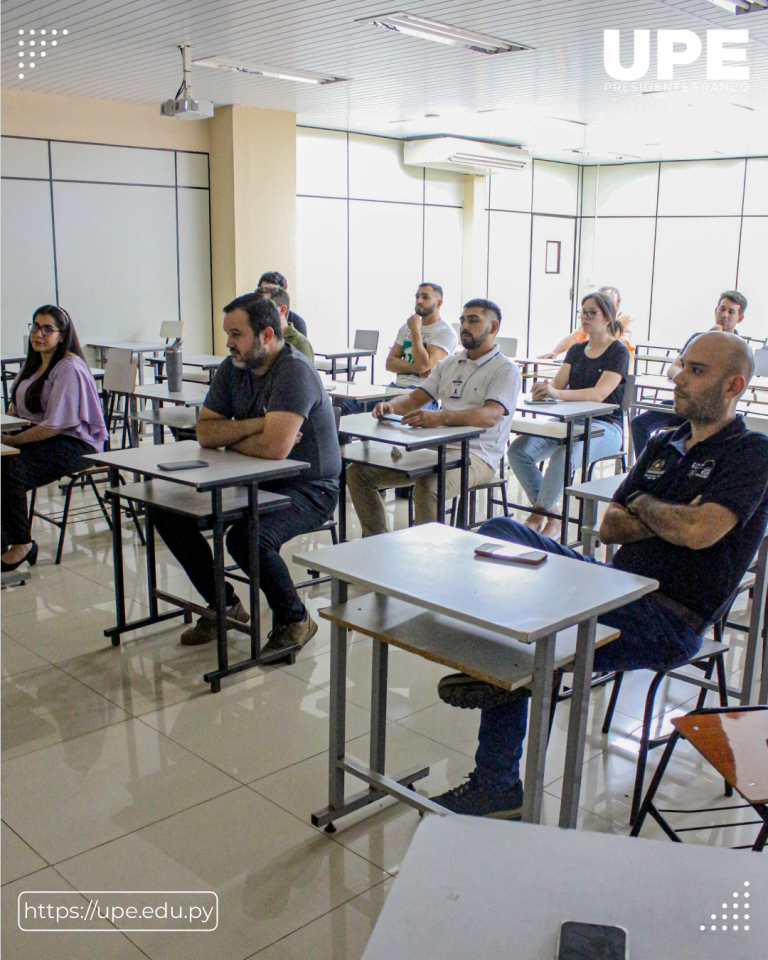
[93, 911]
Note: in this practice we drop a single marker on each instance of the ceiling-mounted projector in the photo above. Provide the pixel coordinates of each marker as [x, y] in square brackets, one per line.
[184, 106]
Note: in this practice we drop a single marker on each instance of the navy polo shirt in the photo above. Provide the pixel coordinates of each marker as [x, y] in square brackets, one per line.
[729, 468]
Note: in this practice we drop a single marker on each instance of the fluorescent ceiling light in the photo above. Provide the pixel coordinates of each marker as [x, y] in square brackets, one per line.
[733, 6]
[442, 33]
[262, 70]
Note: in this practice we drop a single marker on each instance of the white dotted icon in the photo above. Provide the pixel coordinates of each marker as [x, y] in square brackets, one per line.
[735, 916]
[32, 43]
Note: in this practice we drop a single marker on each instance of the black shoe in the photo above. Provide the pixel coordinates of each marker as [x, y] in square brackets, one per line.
[31, 559]
[476, 799]
[468, 693]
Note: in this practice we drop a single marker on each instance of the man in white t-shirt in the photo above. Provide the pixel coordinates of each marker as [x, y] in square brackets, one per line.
[423, 340]
[476, 388]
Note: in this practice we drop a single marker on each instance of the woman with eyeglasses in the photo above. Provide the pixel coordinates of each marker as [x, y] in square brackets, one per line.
[57, 394]
[595, 371]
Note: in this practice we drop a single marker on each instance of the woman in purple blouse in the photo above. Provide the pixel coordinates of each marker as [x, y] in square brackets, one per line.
[57, 394]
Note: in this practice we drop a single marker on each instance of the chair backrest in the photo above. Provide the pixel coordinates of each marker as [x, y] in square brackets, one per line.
[366, 340]
[507, 346]
[120, 371]
[756, 342]
[172, 329]
[628, 397]
[761, 362]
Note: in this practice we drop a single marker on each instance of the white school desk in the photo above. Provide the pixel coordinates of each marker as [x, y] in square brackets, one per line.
[139, 347]
[474, 889]
[529, 605]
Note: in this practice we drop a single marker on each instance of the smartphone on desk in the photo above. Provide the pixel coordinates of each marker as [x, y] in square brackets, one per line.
[391, 417]
[545, 400]
[591, 941]
[503, 551]
[182, 465]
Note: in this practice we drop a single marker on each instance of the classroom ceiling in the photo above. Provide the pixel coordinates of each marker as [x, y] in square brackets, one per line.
[553, 98]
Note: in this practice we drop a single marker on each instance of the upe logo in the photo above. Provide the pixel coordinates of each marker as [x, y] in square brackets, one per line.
[677, 48]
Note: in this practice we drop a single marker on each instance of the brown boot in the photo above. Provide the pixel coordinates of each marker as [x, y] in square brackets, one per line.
[204, 631]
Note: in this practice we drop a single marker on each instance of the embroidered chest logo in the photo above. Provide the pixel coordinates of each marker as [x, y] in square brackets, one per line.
[656, 469]
[702, 470]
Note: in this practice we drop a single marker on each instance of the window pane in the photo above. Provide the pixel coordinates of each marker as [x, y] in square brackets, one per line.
[321, 270]
[698, 187]
[92, 162]
[754, 243]
[555, 187]
[385, 244]
[508, 273]
[25, 158]
[377, 171]
[695, 262]
[628, 190]
[443, 255]
[321, 162]
[756, 196]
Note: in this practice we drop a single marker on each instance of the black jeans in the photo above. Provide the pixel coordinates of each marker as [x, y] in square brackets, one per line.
[35, 465]
[310, 508]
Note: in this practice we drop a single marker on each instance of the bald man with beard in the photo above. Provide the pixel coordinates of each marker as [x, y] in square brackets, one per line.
[691, 514]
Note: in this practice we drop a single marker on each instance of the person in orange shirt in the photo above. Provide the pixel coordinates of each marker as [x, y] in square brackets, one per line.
[579, 336]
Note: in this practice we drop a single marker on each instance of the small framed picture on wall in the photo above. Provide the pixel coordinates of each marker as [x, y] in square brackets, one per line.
[552, 259]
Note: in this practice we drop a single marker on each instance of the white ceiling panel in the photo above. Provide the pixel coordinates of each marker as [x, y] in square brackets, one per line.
[553, 98]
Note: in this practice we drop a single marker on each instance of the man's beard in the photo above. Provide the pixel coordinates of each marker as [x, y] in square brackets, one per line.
[709, 407]
[250, 360]
[472, 343]
[423, 310]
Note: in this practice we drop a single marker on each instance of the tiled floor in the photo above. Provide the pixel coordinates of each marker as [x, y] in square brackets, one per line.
[122, 771]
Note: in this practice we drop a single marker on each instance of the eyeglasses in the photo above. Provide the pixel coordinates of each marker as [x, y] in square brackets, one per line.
[46, 329]
[591, 314]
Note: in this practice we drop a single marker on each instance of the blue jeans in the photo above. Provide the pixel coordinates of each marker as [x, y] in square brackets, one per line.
[310, 508]
[652, 637]
[544, 490]
[647, 423]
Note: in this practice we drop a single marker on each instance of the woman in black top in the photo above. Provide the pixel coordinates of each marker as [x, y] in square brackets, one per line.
[595, 371]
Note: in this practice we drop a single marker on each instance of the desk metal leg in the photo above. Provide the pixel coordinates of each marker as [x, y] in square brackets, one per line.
[754, 636]
[373, 360]
[588, 531]
[253, 565]
[379, 674]
[462, 521]
[221, 590]
[538, 728]
[441, 457]
[151, 562]
[343, 502]
[577, 722]
[158, 430]
[117, 551]
[567, 482]
[339, 764]
[584, 466]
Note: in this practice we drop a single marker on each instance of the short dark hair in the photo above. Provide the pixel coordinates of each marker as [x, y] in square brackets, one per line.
[736, 297]
[487, 305]
[262, 313]
[272, 276]
[608, 309]
[435, 286]
[278, 295]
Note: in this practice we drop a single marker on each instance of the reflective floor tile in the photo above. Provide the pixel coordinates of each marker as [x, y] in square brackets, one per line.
[18, 858]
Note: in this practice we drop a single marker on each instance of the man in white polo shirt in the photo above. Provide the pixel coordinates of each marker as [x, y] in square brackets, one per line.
[476, 388]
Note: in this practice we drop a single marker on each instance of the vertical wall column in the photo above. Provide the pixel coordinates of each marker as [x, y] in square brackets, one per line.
[253, 202]
[474, 272]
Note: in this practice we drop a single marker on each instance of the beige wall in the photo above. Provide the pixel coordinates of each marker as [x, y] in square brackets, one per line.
[253, 201]
[28, 114]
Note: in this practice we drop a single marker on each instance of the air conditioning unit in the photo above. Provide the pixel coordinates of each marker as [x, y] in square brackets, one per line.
[464, 156]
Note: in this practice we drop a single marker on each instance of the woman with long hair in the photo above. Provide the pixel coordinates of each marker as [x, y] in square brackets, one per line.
[57, 394]
[595, 370]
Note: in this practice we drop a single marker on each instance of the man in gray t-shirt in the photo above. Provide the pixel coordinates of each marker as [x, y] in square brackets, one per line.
[267, 401]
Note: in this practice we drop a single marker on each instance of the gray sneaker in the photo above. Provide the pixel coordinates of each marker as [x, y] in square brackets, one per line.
[289, 635]
[204, 631]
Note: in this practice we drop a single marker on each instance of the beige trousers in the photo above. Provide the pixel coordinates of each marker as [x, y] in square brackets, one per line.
[364, 483]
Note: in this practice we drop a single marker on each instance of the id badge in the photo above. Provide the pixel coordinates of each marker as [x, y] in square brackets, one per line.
[456, 390]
